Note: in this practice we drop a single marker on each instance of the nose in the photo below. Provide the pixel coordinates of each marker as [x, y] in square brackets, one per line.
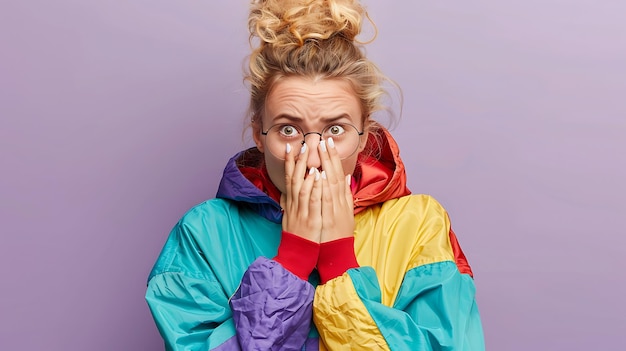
[312, 143]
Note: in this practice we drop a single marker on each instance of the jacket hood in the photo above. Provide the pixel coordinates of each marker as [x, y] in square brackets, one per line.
[379, 176]
[380, 173]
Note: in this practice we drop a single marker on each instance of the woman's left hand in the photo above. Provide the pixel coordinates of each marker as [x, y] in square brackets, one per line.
[337, 202]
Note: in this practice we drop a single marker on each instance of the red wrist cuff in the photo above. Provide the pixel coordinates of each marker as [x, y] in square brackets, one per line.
[335, 258]
[297, 255]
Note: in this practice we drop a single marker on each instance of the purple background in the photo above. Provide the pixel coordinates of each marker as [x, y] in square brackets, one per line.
[117, 116]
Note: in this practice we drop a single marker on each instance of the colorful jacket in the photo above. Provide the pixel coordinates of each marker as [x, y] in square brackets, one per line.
[215, 285]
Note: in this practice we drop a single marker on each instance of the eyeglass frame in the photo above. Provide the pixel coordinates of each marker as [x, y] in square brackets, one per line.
[304, 135]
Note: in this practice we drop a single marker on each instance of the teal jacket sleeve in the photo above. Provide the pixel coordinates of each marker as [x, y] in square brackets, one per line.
[188, 304]
[212, 289]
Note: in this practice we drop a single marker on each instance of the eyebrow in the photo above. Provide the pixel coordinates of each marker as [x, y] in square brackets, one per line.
[323, 119]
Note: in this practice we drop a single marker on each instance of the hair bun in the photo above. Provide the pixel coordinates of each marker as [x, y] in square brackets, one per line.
[292, 22]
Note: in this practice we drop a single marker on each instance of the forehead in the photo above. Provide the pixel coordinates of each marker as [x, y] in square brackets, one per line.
[312, 100]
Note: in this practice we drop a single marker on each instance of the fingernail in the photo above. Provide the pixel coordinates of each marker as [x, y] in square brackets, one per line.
[288, 148]
[331, 143]
[303, 148]
[323, 145]
[323, 174]
[317, 174]
[312, 170]
[348, 179]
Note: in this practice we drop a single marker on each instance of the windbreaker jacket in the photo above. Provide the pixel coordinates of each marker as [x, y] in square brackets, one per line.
[216, 286]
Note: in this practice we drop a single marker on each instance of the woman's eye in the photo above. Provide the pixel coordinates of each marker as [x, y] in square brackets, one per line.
[288, 130]
[336, 130]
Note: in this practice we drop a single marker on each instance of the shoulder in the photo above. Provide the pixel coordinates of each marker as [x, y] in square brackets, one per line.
[212, 214]
[198, 228]
[210, 208]
[414, 208]
[192, 239]
[423, 202]
[416, 225]
[418, 207]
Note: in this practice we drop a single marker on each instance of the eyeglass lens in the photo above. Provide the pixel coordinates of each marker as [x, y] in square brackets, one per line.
[345, 137]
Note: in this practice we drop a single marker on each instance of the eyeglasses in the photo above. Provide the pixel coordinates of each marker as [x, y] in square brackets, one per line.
[345, 136]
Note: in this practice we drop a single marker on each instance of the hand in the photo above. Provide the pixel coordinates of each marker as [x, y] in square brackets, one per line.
[302, 200]
[337, 202]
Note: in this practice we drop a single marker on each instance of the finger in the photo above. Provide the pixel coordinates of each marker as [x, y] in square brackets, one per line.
[315, 201]
[348, 186]
[299, 171]
[335, 159]
[333, 177]
[327, 197]
[305, 194]
[289, 168]
[327, 164]
[324, 157]
[290, 163]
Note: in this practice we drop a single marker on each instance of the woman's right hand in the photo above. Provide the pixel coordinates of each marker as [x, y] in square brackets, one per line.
[302, 202]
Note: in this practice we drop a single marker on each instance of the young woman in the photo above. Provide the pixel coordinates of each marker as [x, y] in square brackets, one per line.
[313, 241]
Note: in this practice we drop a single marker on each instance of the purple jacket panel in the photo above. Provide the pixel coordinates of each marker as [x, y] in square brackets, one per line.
[272, 308]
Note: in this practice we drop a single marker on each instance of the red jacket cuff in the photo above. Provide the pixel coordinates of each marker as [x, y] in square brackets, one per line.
[335, 258]
[297, 255]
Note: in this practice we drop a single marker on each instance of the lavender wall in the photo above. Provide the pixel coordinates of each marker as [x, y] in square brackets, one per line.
[117, 116]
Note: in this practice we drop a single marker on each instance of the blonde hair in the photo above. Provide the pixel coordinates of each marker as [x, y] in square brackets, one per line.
[310, 38]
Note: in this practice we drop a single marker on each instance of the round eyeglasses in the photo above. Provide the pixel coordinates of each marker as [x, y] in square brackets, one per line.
[345, 136]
